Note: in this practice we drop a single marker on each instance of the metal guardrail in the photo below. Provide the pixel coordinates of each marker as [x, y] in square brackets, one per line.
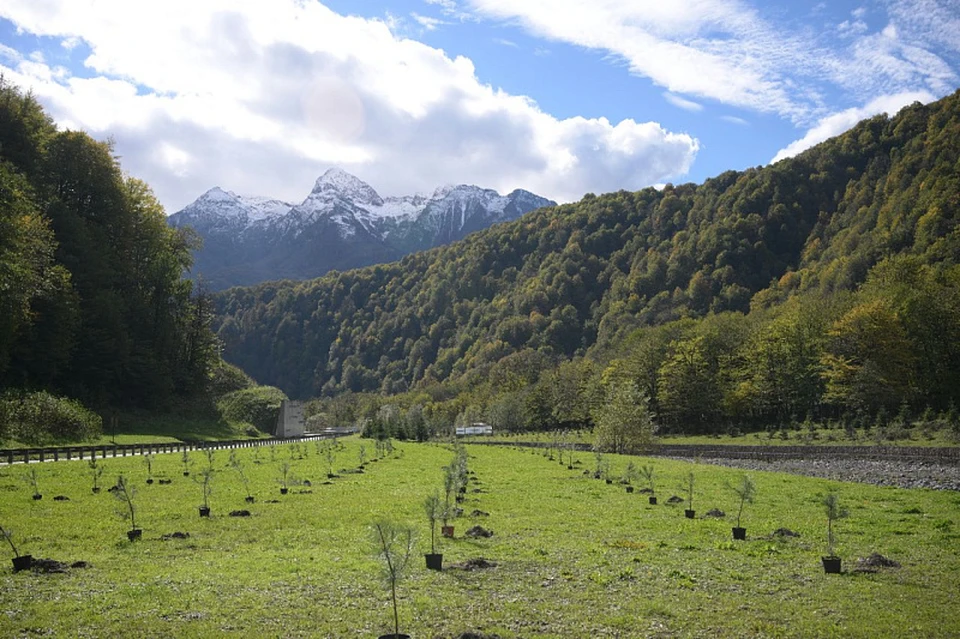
[102, 451]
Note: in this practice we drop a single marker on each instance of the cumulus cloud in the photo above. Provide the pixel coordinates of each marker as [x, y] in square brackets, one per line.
[260, 98]
[837, 123]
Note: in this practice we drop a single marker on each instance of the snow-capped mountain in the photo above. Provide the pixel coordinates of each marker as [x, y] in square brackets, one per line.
[343, 223]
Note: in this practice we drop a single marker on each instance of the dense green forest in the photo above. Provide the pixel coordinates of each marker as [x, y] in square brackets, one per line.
[823, 285]
[93, 306]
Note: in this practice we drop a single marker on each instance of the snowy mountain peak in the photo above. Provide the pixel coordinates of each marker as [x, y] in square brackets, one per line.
[216, 194]
[338, 182]
[343, 223]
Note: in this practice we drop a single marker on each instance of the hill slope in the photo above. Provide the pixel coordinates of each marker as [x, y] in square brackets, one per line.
[583, 276]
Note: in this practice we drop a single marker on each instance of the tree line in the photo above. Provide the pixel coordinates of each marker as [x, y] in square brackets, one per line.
[92, 301]
[757, 296]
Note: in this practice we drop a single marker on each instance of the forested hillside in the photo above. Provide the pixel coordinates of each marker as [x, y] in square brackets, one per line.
[771, 258]
[92, 304]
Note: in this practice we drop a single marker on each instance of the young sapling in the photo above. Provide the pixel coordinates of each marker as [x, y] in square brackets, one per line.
[330, 455]
[33, 479]
[126, 494]
[20, 562]
[284, 479]
[185, 460]
[394, 545]
[647, 472]
[96, 470]
[433, 508]
[206, 481]
[746, 491]
[629, 476]
[148, 460]
[834, 512]
[237, 465]
[691, 480]
[363, 455]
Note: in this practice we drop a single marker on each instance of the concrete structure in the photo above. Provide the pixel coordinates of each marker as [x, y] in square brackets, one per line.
[290, 422]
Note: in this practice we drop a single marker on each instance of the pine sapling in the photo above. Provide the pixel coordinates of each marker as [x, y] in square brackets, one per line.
[834, 512]
[394, 545]
[746, 491]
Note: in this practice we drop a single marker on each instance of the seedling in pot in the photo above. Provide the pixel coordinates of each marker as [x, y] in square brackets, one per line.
[330, 456]
[647, 472]
[206, 480]
[394, 544]
[449, 487]
[629, 476]
[746, 491]
[96, 470]
[126, 494]
[433, 507]
[33, 479]
[831, 504]
[185, 460]
[238, 466]
[690, 512]
[285, 478]
[20, 562]
[363, 455]
[148, 460]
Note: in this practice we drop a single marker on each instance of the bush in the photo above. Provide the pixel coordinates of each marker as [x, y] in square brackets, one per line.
[258, 406]
[40, 418]
[227, 378]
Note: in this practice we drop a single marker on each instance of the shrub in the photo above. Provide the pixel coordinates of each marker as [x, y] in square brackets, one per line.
[39, 418]
[258, 406]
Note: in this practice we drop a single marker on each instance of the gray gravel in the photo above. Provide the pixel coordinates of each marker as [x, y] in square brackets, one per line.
[880, 473]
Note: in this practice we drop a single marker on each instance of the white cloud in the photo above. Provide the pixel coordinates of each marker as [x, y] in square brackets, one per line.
[428, 23]
[748, 55]
[260, 98]
[837, 123]
[682, 103]
[732, 119]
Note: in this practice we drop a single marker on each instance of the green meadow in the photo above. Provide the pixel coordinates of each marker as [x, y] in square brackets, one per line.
[575, 556]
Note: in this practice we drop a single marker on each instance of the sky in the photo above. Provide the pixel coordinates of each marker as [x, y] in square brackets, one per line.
[559, 97]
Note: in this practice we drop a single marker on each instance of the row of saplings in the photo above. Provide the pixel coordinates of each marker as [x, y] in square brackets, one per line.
[395, 542]
[745, 491]
[126, 493]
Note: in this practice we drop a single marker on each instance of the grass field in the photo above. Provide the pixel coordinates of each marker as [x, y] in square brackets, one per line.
[575, 557]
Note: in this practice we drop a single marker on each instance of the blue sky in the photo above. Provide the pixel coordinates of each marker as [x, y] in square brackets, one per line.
[560, 97]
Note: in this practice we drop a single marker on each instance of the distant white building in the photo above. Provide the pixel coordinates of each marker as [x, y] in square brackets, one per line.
[477, 428]
[290, 422]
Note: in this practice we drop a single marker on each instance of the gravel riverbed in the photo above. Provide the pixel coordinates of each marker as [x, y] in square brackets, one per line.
[902, 474]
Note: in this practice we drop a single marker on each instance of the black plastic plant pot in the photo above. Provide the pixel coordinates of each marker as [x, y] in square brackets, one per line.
[96, 490]
[739, 533]
[149, 481]
[690, 514]
[186, 473]
[831, 565]
[609, 481]
[249, 499]
[23, 562]
[134, 534]
[283, 491]
[37, 497]
[204, 511]
[434, 561]
[393, 636]
[569, 467]
[330, 475]
[629, 489]
[653, 501]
